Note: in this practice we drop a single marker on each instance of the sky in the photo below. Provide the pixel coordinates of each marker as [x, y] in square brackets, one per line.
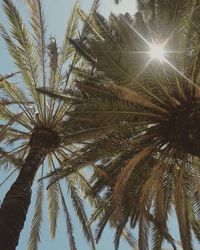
[57, 13]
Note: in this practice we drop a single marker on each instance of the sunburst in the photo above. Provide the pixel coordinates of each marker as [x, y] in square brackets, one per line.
[157, 52]
[143, 101]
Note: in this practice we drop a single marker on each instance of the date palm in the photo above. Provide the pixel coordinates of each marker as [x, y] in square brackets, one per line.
[32, 133]
[138, 113]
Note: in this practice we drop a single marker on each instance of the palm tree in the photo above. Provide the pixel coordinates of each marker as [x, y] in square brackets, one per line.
[137, 108]
[32, 131]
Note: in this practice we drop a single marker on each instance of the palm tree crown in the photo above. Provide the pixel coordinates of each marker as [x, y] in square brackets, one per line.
[34, 125]
[138, 116]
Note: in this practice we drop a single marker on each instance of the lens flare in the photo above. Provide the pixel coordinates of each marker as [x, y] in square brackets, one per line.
[157, 52]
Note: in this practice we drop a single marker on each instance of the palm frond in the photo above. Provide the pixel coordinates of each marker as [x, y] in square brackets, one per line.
[2, 78]
[68, 222]
[10, 158]
[23, 47]
[196, 229]
[143, 233]
[34, 238]
[53, 204]
[17, 96]
[39, 28]
[55, 94]
[80, 211]
[71, 31]
[146, 99]
[126, 172]
[180, 202]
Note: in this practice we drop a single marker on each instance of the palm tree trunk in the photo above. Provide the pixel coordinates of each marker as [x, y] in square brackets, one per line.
[17, 200]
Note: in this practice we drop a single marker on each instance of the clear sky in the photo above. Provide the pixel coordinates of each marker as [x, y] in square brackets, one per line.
[57, 13]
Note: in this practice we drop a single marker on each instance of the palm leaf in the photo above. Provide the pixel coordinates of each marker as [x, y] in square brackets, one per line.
[184, 226]
[21, 36]
[68, 222]
[126, 172]
[80, 211]
[34, 238]
[10, 158]
[39, 28]
[53, 203]
[2, 78]
[71, 31]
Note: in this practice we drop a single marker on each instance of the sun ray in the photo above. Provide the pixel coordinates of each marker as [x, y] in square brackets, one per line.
[157, 51]
[137, 32]
[145, 67]
[180, 73]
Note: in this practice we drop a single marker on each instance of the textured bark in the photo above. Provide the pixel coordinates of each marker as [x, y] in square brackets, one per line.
[17, 200]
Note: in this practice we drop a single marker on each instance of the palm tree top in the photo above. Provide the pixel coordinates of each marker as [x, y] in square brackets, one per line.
[138, 117]
[35, 121]
[39, 117]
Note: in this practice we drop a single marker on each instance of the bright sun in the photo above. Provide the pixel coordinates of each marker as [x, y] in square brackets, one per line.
[157, 52]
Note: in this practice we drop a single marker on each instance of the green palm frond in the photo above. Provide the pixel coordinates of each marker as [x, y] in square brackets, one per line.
[20, 45]
[53, 201]
[68, 223]
[34, 238]
[196, 227]
[54, 94]
[17, 95]
[39, 28]
[80, 211]
[136, 119]
[66, 50]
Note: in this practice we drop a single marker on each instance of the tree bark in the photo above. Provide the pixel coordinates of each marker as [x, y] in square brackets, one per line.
[17, 200]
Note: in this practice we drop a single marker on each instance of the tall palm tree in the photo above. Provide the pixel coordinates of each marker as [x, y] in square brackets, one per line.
[33, 126]
[137, 107]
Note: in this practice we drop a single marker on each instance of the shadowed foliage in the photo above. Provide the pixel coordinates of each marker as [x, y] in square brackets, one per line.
[139, 118]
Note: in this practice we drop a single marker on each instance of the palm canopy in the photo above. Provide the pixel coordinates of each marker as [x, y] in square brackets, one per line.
[138, 116]
[32, 130]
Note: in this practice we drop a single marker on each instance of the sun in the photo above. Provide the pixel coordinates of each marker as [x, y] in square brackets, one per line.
[157, 52]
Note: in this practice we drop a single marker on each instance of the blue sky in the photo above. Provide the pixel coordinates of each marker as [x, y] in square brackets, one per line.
[57, 13]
